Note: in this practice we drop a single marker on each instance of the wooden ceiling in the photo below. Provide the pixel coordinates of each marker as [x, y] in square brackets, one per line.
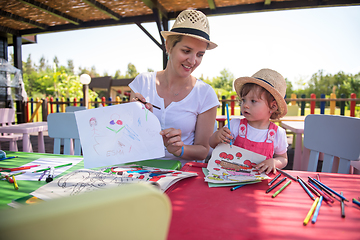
[32, 17]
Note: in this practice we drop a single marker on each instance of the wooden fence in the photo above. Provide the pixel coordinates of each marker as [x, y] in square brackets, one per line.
[38, 109]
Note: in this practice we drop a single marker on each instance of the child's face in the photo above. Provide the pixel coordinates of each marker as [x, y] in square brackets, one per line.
[255, 108]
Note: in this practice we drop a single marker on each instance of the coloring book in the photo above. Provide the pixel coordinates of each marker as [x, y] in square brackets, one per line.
[86, 180]
[230, 164]
[119, 134]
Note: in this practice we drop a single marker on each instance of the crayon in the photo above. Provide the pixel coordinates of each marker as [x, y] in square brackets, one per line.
[308, 216]
[64, 165]
[275, 185]
[15, 183]
[274, 179]
[306, 189]
[228, 120]
[342, 206]
[236, 187]
[286, 174]
[356, 201]
[316, 213]
[337, 194]
[281, 189]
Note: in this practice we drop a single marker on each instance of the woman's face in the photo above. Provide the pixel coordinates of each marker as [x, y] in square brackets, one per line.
[187, 55]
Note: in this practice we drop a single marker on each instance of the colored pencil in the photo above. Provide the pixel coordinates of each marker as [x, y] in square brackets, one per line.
[356, 201]
[64, 165]
[274, 179]
[321, 187]
[286, 174]
[236, 187]
[228, 120]
[337, 194]
[318, 177]
[281, 189]
[15, 174]
[306, 189]
[308, 216]
[326, 197]
[42, 175]
[8, 158]
[342, 206]
[309, 187]
[15, 183]
[276, 184]
[317, 209]
[19, 168]
[138, 99]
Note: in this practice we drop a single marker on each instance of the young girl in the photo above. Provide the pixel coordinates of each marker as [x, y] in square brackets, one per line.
[262, 99]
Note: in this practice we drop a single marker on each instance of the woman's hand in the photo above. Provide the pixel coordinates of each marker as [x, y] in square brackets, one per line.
[172, 140]
[137, 97]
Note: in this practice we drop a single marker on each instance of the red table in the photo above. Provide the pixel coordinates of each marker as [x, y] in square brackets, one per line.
[200, 212]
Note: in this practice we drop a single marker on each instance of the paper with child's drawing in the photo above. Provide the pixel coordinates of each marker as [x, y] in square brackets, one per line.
[119, 134]
[229, 164]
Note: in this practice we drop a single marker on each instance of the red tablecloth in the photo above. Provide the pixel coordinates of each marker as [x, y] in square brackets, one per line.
[200, 212]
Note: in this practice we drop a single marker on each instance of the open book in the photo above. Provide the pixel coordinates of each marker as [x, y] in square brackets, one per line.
[231, 164]
[86, 180]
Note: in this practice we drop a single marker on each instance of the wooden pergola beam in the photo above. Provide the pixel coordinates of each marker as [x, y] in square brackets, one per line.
[22, 19]
[51, 11]
[212, 5]
[103, 9]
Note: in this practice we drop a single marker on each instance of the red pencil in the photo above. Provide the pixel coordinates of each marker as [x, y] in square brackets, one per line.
[20, 168]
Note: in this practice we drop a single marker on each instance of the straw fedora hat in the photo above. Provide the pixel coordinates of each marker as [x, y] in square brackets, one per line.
[272, 81]
[191, 23]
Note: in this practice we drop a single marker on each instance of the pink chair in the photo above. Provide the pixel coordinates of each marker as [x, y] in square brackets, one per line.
[7, 117]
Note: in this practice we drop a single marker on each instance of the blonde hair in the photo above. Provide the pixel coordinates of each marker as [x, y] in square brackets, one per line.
[172, 40]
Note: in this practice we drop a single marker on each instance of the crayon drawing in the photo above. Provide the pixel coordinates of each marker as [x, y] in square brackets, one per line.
[119, 134]
[229, 164]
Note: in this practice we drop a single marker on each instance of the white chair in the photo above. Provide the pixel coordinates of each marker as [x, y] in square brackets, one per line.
[74, 108]
[7, 117]
[337, 137]
[63, 126]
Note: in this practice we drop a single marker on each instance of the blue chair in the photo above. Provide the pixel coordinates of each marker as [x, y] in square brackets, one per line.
[337, 137]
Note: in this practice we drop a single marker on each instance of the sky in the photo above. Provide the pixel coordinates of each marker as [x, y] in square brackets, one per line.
[296, 43]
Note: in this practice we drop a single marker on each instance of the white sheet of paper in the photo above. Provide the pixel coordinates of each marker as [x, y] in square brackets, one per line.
[119, 134]
[45, 163]
[229, 164]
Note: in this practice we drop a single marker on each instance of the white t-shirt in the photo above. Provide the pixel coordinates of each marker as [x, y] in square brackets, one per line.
[179, 115]
[260, 135]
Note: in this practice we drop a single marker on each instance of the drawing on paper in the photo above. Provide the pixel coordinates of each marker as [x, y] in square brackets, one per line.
[229, 164]
[119, 134]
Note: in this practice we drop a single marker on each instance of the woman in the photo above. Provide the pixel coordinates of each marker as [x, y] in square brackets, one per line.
[188, 105]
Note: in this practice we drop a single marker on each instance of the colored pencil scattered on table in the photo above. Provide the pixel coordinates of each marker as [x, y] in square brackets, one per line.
[317, 209]
[20, 168]
[326, 197]
[274, 179]
[64, 165]
[236, 187]
[276, 184]
[318, 177]
[8, 158]
[342, 206]
[281, 189]
[308, 216]
[15, 183]
[337, 194]
[310, 187]
[321, 187]
[305, 188]
[286, 174]
[356, 201]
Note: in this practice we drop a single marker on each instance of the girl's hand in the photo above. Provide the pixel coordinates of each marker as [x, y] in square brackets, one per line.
[268, 165]
[172, 140]
[137, 97]
[223, 135]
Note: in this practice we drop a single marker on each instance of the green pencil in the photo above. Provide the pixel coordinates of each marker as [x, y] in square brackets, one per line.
[41, 170]
[282, 188]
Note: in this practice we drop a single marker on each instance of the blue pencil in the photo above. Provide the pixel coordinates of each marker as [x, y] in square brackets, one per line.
[8, 158]
[337, 194]
[228, 119]
[316, 213]
[306, 189]
[236, 187]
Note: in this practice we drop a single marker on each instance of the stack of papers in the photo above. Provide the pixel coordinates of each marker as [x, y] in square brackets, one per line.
[232, 165]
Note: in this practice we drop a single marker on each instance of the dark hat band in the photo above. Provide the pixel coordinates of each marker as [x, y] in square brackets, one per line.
[264, 81]
[192, 31]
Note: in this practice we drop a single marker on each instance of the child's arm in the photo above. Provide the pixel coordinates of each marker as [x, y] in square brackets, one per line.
[220, 136]
[278, 161]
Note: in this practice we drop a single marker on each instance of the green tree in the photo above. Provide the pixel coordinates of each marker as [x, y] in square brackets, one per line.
[131, 71]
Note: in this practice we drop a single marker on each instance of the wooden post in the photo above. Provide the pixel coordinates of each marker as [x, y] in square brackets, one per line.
[223, 104]
[322, 104]
[342, 105]
[232, 104]
[302, 111]
[45, 110]
[312, 103]
[352, 105]
[332, 103]
[293, 96]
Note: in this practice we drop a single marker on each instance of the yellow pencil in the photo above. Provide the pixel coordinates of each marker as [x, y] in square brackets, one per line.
[15, 183]
[311, 211]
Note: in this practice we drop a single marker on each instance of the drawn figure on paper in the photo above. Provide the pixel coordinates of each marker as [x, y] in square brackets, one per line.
[140, 173]
[93, 124]
[223, 177]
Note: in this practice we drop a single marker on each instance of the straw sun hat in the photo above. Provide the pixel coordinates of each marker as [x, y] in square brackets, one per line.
[191, 23]
[272, 81]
